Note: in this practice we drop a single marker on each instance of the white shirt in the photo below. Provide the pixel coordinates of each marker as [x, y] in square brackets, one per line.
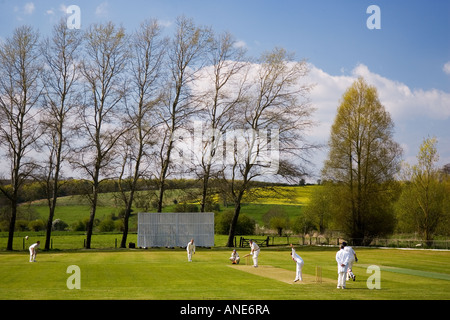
[254, 247]
[190, 247]
[342, 259]
[34, 246]
[296, 257]
[350, 252]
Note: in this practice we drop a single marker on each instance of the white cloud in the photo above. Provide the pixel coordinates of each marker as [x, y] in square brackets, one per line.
[165, 23]
[102, 9]
[63, 8]
[402, 102]
[408, 107]
[446, 68]
[240, 44]
[28, 8]
[417, 113]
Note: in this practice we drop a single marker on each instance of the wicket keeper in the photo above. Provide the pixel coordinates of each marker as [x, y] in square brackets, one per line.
[235, 257]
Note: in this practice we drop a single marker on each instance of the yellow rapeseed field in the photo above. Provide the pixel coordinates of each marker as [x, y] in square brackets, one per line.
[282, 195]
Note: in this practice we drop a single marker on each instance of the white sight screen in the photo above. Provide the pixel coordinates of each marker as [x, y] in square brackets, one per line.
[175, 229]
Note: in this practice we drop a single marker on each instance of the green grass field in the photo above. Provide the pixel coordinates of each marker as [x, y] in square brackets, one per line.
[107, 273]
[71, 209]
[165, 274]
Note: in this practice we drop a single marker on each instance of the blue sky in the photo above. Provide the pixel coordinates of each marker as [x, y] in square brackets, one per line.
[408, 59]
[412, 45]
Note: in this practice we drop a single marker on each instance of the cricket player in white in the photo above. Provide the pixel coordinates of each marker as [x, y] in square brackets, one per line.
[342, 262]
[235, 257]
[299, 262]
[33, 250]
[352, 258]
[254, 252]
[190, 248]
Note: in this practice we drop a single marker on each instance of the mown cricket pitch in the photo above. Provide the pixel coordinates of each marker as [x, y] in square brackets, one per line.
[279, 274]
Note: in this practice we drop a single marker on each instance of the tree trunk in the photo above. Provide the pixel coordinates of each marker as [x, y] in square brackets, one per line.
[237, 210]
[12, 224]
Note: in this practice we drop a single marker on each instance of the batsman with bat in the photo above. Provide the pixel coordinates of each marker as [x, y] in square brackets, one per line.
[254, 252]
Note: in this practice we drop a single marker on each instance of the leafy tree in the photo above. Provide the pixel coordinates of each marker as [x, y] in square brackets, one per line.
[421, 206]
[362, 162]
[319, 209]
[244, 226]
[302, 224]
[276, 218]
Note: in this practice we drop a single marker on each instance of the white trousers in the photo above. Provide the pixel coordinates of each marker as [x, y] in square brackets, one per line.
[235, 260]
[341, 280]
[298, 271]
[342, 274]
[32, 255]
[349, 269]
[255, 258]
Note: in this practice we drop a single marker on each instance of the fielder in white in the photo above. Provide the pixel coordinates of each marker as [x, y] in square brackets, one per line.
[299, 262]
[352, 258]
[190, 248]
[33, 251]
[342, 258]
[254, 252]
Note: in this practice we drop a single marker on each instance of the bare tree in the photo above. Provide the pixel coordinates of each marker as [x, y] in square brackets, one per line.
[224, 86]
[102, 68]
[148, 49]
[269, 138]
[185, 57]
[19, 97]
[60, 97]
[20, 92]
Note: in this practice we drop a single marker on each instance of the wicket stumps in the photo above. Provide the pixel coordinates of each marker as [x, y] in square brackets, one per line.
[318, 274]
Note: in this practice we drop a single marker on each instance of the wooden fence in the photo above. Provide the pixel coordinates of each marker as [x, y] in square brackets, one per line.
[335, 241]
